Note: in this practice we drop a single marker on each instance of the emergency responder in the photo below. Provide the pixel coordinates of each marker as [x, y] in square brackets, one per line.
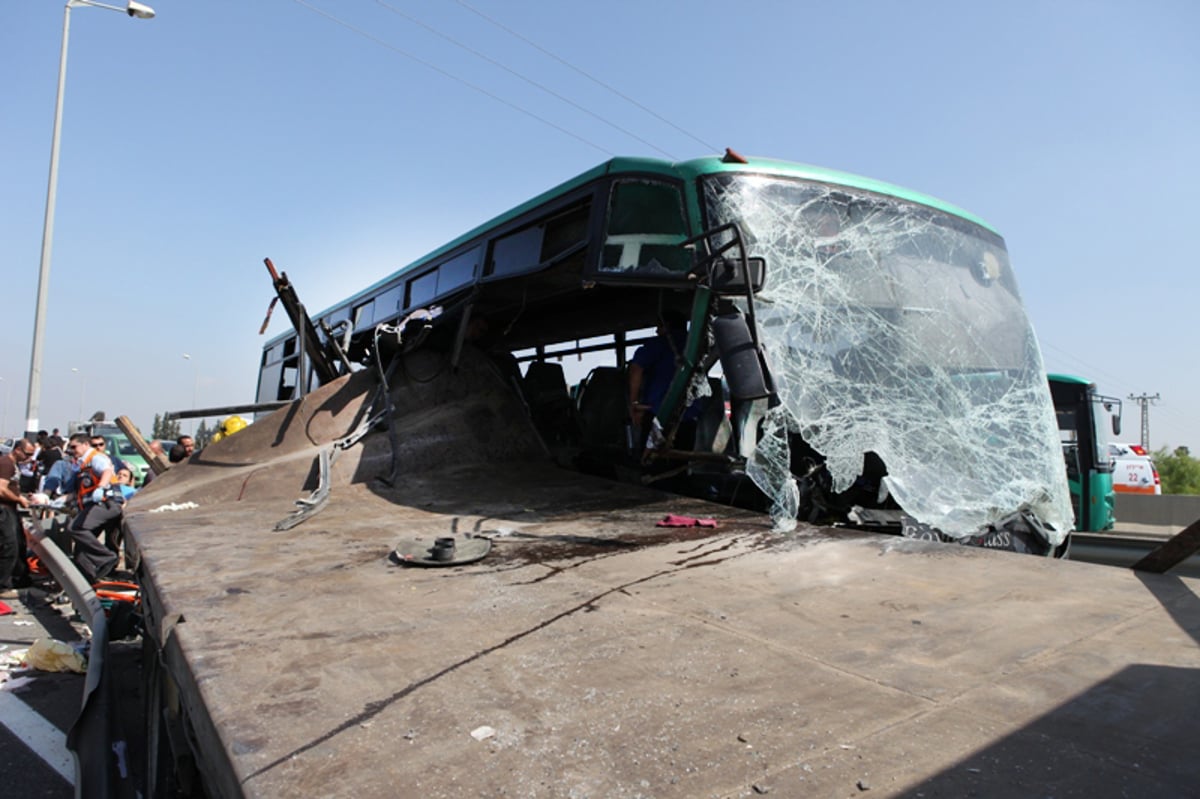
[98, 510]
[230, 426]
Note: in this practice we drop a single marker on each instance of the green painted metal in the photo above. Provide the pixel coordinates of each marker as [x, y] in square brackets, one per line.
[691, 355]
[689, 172]
[1101, 512]
[1092, 493]
[1056, 377]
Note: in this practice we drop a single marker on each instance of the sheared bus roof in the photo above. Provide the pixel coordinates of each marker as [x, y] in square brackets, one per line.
[687, 171]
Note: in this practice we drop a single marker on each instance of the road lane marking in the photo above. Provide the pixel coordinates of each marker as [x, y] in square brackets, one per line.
[47, 741]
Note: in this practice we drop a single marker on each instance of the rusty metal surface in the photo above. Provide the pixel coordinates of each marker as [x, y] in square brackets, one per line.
[595, 654]
[1172, 552]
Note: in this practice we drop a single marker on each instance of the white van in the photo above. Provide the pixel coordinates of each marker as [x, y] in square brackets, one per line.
[1133, 470]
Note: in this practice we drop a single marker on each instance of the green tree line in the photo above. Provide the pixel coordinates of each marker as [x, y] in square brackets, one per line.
[1178, 470]
[164, 429]
[168, 430]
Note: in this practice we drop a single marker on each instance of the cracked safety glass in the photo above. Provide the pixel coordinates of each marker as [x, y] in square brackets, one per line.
[896, 329]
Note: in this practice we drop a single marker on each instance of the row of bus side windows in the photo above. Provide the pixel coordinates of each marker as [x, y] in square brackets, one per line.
[459, 271]
[515, 252]
[540, 242]
[524, 249]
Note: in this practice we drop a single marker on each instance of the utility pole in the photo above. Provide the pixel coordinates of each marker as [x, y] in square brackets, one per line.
[1144, 400]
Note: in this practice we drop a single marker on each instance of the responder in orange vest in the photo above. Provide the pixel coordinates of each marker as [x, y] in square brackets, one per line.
[98, 510]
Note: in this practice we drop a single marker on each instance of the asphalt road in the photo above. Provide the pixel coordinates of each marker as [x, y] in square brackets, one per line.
[37, 708]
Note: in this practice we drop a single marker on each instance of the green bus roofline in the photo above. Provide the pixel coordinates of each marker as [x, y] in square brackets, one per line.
[766, 166]
[1063, 378]
[687, 171]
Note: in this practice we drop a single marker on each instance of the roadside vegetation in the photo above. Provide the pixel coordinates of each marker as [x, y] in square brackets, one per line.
[168, 430]
[1178, 470]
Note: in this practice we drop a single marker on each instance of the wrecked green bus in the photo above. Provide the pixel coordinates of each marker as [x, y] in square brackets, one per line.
[856, 353]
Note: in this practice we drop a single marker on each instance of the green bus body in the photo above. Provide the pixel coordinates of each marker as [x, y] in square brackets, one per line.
[872, 342]
[686, 173]
[1084, 418]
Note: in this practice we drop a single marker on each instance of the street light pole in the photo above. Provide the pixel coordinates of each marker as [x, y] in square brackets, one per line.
[34, 397]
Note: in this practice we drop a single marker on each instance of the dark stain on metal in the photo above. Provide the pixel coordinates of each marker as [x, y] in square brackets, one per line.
[243, 746]
[246, 482]
[530, 548]
[373, 709]
[688, 563]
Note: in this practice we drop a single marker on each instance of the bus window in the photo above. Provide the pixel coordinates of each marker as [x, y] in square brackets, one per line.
[539, 244]
[1106, 420]
[645, 228]
[287, 383]
[422, 289]
[363, 315]
[457, 272]
[565, 231]
[516, 252]
[337, 317]
[269, 379]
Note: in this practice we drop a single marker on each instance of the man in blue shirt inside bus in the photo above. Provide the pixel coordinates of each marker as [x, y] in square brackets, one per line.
[652, 369]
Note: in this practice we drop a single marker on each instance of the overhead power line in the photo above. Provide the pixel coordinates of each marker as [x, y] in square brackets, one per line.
[587, 75]
[449, 75]
[1093, 371]
[1170, 411]
[528, 80]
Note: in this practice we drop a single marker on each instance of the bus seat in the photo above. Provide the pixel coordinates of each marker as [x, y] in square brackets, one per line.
[604, 409]
[550, 406]
[544, 383]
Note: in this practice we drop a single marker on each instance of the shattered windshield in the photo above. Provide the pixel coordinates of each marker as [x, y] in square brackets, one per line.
[894, 328]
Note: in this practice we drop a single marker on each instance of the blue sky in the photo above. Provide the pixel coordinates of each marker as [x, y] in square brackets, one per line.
[221, 132]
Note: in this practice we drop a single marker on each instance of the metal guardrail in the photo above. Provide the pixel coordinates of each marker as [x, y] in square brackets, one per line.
[89, 738]
[1124, 551]
[1177, 549]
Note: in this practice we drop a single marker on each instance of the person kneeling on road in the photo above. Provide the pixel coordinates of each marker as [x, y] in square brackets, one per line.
[98, 510]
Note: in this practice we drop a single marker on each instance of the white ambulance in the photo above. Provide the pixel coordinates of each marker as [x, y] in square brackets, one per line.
[1133, 470]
